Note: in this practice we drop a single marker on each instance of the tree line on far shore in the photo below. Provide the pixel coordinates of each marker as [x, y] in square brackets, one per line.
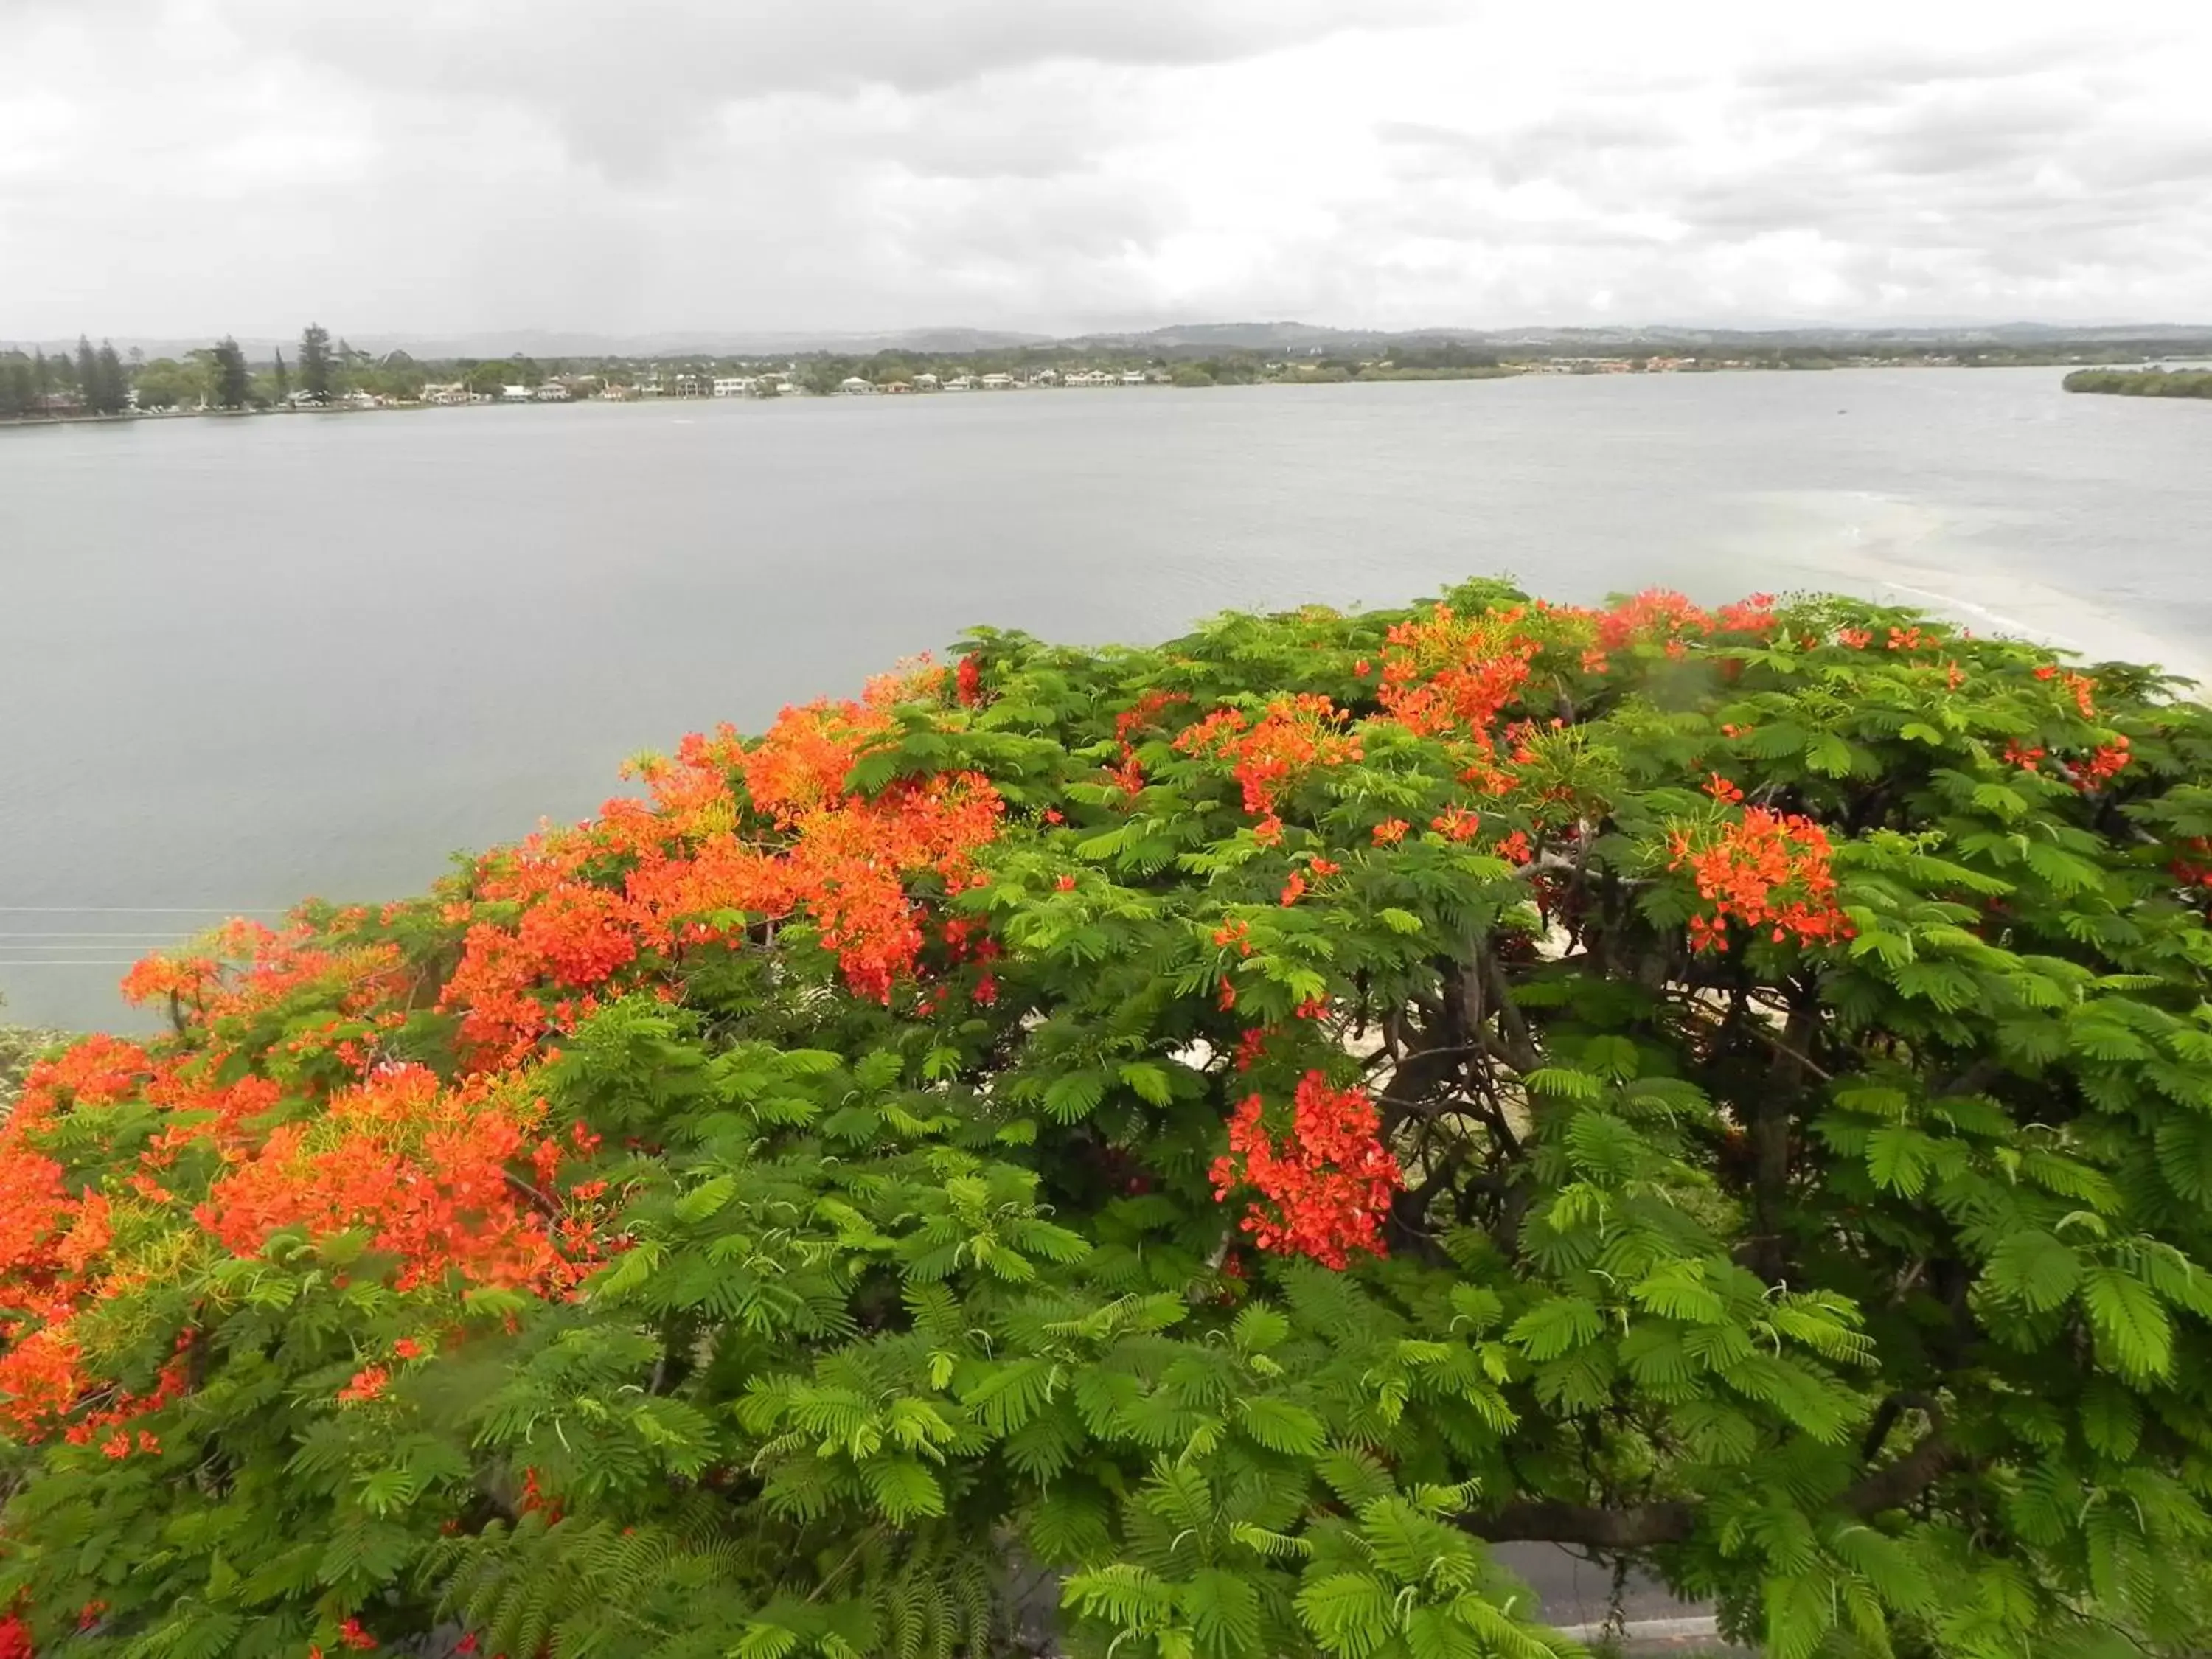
[2142, 382]
[102, 381]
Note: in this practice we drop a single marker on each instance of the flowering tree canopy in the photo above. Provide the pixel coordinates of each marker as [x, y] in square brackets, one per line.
[1240, 1127]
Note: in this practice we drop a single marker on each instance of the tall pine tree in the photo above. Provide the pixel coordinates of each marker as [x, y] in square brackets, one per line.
[232, 384]
[315, 362]
[283, 378]
[108, 390]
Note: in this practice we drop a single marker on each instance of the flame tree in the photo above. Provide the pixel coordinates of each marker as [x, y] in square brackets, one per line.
[1239, 1126]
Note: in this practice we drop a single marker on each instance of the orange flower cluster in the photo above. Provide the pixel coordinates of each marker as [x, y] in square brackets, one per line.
[2079, 687]
[1453, 675]
[1328, 1189]
[1292, 736]
[421, 1168]
[1768, 870]
[733, 836]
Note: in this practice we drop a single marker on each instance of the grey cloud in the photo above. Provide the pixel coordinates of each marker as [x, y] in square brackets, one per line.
[622, 94]
[449, 165]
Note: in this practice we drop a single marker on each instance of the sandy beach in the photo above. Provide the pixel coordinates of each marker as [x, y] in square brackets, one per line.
[1904, 552]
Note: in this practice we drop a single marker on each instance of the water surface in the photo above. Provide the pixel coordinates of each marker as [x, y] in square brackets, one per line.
[243, 661]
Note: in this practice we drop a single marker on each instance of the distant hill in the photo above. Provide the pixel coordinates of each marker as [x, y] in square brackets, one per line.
[1200, 339]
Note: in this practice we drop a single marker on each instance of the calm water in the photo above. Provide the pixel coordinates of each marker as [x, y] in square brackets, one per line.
[245, 660]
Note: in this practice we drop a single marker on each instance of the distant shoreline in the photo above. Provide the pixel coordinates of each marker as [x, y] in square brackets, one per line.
[1388, 377]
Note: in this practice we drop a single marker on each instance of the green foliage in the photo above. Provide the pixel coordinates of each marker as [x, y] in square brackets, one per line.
[2142, 382]
[1859, 1282]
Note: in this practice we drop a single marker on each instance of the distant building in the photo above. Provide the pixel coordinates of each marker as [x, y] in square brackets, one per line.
[1045, 377]
[515, 394]
[735, 385]
[553, 392]
[961, 383]
[1133, 377]
[997, 382]
[453, 391]
[926, 383]
[853, 386]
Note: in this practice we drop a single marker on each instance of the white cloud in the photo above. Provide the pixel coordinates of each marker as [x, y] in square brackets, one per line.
[185, 166]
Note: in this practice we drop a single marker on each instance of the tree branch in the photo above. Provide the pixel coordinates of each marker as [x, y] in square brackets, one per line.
[1644, 1526]
[1543, 1521]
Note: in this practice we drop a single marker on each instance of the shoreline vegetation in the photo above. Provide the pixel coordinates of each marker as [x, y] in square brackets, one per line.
[322, 373]
[2152, 382]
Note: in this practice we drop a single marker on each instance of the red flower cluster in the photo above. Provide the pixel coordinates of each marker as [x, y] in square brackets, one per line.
[1326, 1192]
[2102, 766]
[1767, 871]
[1456, 824]
[1658, 615]
[368, 1384]
[1292, 736]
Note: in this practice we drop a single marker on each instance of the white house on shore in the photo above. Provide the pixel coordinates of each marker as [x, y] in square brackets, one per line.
[553, 392]
[998, 383]
[515, 394]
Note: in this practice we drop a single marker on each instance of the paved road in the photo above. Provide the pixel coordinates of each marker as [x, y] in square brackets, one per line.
[1573, 1591]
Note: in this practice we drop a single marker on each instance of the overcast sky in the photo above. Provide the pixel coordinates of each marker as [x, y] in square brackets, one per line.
[434, 167]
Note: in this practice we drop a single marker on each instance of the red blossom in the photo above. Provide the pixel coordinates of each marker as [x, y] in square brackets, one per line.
[1292, 736]
[1456, 824]
[1390, 831]
[1249, 1047]
[2102, 766]
[368, 1384]
[1324, 1192]
[1768, 872]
